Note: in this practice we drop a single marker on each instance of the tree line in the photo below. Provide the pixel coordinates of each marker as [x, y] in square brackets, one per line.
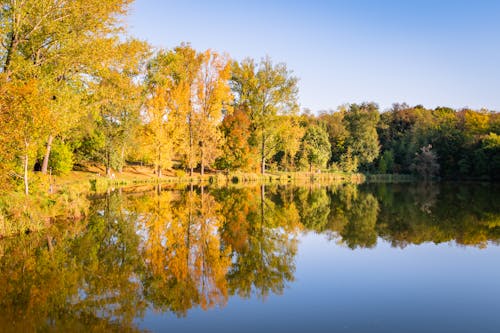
[73, 90]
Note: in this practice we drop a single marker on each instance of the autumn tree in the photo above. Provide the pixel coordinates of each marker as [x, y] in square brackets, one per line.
[170, 117]
[491, 147]
[236, 150]
[268, 91]
[23, 116]
[55, 42]
[213, 96]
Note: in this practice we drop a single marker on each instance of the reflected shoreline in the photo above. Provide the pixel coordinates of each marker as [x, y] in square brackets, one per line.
[172, 250]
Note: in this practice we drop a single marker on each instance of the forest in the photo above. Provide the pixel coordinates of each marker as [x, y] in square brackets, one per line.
[75, 90]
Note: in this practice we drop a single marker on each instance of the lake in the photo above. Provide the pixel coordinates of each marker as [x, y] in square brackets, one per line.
[343, 258]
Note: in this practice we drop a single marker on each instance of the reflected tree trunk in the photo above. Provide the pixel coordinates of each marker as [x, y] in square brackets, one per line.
[202, 171]
[158, 171]
[25, 177]
[191, 139]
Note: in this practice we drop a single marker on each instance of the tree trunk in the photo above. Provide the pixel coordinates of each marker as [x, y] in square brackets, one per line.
[122, 162]
[11, 48]
[262, 218]
[188, 227]
[263, 156]
[262, 200]
[202, 171]
[158, 170]
[26, 186]
[190, 158]
[49, 244]
[108, 164]
[310, 167]
[45, 164]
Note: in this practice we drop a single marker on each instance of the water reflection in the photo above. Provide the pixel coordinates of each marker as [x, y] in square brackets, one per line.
[185, 260]
[174, 250]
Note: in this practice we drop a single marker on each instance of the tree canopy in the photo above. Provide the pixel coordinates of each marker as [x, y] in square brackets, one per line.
[75, 89]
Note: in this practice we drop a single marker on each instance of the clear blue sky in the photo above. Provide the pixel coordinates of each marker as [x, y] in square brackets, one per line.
[430, 52]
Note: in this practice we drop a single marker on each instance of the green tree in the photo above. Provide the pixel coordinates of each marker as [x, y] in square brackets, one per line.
[289, 140]
[118, 98]
[361, 121]
[337, 133]
[61, 160]
[491, 148]
[386, 162]
[315, 148]
[267, 91]
[314, 208]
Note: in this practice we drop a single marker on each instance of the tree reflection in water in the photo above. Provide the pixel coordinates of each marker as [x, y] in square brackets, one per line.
[175, 249]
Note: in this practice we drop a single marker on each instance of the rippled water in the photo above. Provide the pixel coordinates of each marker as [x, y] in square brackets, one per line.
[369, 258]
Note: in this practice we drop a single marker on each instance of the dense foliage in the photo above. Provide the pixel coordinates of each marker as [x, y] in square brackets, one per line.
[73, 91]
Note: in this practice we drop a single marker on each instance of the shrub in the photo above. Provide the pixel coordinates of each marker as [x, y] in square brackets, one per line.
[61, 158]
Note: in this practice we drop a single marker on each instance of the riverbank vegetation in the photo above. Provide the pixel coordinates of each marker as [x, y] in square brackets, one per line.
[85, 107]
[74, 91]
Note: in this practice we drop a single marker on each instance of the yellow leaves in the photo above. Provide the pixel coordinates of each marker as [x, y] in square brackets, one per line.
[23, 112]
[476, 123]
[187, 94]
[53, 54]
[183, 246]
[213, 97]
[214, 93]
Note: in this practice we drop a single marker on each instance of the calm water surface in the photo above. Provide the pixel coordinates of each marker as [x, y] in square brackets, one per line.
[369, 258]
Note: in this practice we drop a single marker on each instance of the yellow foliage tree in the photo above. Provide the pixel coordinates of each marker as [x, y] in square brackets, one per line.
[169, 113]
[213, 97]
[23, 115]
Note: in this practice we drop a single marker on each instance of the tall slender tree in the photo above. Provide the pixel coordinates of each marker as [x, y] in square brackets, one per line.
[213, 97]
